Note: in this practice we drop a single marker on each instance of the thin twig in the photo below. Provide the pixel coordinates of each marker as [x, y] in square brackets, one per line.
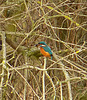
[61, 91]
[54, 89]
[25, 81]
[25, 75]
[66, 76]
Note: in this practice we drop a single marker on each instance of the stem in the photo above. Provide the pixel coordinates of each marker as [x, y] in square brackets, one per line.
[67, 77]
[61, 91]
[4, 64]
[25, 75]
[44, 79]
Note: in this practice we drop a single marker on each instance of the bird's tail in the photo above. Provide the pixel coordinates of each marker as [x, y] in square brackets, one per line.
[51, 56]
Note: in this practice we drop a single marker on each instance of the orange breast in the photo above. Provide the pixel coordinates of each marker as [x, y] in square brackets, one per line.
[46, 54]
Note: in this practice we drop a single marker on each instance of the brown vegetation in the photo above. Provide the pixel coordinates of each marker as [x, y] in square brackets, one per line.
[24, 73]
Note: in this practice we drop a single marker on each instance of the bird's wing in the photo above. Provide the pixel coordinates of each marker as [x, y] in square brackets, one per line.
[47, 49]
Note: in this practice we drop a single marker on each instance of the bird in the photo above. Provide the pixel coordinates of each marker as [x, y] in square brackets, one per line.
[45, 49]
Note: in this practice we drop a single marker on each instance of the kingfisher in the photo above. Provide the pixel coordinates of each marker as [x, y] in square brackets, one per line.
[45, 49]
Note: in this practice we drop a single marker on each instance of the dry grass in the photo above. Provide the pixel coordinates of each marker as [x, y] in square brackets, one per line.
[63, 26]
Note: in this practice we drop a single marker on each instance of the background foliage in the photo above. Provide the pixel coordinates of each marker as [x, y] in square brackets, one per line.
[62, 24]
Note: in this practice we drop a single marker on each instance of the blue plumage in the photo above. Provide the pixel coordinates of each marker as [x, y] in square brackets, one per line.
[47, 49]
